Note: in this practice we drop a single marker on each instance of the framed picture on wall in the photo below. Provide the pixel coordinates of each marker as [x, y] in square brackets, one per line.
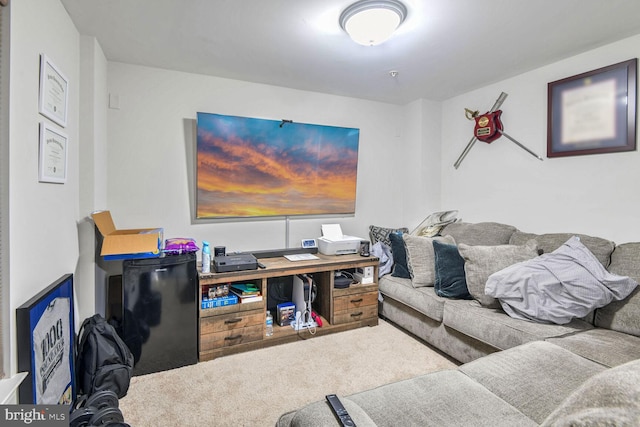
[252, 167]
[52, 155]
[45, 338]
[593, 112]
[54, 92]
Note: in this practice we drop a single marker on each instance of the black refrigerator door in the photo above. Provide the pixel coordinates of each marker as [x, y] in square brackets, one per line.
[160, 312]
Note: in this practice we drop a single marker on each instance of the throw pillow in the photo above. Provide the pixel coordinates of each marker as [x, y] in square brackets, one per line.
[623, 315]
[400, 267]
[567, 283]
[601, 248]
[481, 233]
[609, 398]
[420, 258]
[381, 234]
[449, 265]
[483, 261]
[434, 223]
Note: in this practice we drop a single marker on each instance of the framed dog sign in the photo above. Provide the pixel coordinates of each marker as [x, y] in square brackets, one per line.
[46, 334]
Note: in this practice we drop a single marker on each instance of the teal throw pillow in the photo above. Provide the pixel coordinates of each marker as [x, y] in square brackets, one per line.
[399, 251]
[449, 268]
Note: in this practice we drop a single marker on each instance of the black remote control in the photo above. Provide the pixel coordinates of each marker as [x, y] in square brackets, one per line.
[338, 409]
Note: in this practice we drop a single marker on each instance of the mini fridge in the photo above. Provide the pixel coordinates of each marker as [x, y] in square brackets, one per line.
[159, 318]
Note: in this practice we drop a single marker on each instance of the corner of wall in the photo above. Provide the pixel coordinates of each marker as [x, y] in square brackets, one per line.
[421, 160]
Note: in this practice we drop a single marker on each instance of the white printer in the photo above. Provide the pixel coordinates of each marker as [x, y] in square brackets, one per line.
[333, 242]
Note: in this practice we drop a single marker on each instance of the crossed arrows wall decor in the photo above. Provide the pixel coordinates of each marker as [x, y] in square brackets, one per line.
[488, 128]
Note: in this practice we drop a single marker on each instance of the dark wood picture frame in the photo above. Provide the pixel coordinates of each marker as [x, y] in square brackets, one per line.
[46, 345]
[593, 112]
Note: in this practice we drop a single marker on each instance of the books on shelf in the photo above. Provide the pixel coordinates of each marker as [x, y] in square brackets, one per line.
[219, 301]
[250, 298]
[245, 289]
[246, 292]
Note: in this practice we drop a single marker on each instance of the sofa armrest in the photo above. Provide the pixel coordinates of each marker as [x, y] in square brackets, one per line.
[319, 414]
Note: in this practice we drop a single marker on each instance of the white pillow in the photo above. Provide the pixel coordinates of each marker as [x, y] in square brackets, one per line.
[567, 283]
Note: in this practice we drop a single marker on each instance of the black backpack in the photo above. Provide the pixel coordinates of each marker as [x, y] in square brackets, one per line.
[103, 360]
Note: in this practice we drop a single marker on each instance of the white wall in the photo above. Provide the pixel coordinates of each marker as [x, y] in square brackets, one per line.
[420, 163]
[93, 172]
[152, 149]
[592, 194]
[43, 217]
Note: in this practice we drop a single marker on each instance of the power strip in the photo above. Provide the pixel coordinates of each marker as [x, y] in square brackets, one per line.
[304, 325]
[298, 324]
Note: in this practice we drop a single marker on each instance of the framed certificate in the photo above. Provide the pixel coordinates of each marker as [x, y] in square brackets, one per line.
[593, 112]
[54, 92]
[53, 155]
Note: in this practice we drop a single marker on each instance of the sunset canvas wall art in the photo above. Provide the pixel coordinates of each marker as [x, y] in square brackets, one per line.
[249, 167]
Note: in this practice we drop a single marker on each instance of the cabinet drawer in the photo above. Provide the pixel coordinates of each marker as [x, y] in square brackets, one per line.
[231, 321]
[355, 314]
[349, 302]
[231, 337]
[231, 329]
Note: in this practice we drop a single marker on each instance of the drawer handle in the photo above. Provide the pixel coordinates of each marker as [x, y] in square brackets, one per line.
[233, 337]
[231, 321]
[353, 301]
[357, 314]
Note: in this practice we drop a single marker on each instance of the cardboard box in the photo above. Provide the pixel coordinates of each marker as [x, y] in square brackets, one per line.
[125, 244]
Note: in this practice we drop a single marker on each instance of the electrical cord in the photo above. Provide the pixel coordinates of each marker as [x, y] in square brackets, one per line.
[312, 329]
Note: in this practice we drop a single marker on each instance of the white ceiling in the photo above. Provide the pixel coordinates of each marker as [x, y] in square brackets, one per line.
[444, 48]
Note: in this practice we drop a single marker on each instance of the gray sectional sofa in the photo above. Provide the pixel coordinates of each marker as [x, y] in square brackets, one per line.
[515, 372]
[468, 329]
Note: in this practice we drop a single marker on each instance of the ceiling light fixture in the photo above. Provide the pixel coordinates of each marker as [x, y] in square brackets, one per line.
[371, 22]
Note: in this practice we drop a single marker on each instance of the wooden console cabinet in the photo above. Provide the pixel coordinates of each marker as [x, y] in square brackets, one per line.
[241, 327]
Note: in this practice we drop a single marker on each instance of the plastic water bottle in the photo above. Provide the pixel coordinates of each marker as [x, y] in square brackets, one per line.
[269, 330]
[206, 257]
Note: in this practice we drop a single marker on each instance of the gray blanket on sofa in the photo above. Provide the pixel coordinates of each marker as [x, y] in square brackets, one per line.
[556, 287]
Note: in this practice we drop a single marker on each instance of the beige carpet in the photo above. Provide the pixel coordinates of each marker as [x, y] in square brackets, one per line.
[255, 388]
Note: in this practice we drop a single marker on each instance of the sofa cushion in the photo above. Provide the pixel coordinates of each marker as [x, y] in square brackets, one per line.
[610, 398]
[481, 233]
[424, 300]
[624, 260]
[381, 234]
[494, 327]
[399, 253]
[449, 265]
[482, 261]
[601, 248]
[558, 286]
[623, 316]
[444, 399]
[533, 377]
[604, 346]
[420, 258]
